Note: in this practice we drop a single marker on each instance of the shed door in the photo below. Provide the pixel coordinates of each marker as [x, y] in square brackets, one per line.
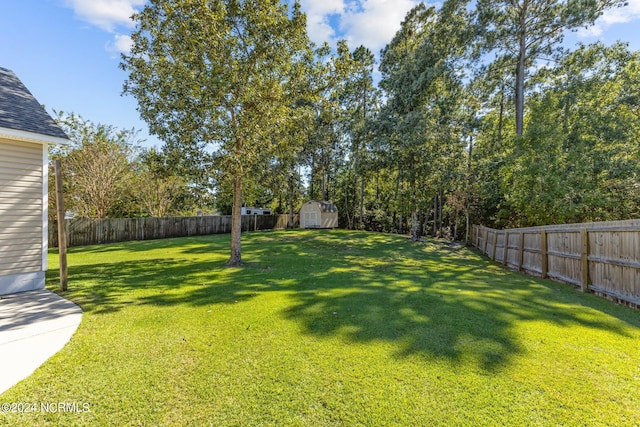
[311, 219]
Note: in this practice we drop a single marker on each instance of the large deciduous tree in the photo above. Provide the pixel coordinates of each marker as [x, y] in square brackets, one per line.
[219, 75]
[97, 167]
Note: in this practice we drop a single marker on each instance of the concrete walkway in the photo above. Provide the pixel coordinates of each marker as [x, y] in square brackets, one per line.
[34, 326]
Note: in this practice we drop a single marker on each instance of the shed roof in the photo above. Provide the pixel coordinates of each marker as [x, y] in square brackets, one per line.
[328, 207]
[20, 111]
[323, 205]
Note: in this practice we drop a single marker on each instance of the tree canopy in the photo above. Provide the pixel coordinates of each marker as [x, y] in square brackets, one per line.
[220, 76]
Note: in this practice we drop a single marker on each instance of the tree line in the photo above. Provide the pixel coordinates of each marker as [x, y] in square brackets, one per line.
[475, 113]
[107, 174]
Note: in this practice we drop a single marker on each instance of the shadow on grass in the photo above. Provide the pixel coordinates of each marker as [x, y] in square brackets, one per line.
[426, 299]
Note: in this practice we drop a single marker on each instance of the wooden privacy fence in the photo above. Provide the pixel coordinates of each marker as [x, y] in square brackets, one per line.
[84, 231]
[603, 257]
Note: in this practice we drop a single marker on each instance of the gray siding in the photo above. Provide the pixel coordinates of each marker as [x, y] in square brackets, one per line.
[20, 207]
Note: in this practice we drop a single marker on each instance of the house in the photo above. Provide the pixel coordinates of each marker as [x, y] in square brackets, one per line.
[26, 130]
[315, 214]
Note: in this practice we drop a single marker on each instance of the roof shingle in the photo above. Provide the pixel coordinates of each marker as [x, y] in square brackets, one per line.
[19, 110]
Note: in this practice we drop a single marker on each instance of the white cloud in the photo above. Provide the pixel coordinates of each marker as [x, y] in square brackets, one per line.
[318, 15]
[373, 23]
[105, 14]
[121, 44]
[618, 15]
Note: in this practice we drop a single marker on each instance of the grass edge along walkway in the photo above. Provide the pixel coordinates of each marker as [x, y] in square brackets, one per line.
[330, 328]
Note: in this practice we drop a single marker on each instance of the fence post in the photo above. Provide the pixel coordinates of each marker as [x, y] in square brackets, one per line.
[495, 244]
[544, 263]
[486, 241]
[505, 251]
[584, 282]
[521, 252]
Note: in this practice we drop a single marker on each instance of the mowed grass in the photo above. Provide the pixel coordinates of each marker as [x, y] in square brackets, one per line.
[330, 328]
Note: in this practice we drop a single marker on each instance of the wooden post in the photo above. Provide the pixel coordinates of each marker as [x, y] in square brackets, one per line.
[505, 251]
[521, 252]
[543, 253]
[486, 241]
[255, 222]
[62, 236]
[495, 243]
[584, 282]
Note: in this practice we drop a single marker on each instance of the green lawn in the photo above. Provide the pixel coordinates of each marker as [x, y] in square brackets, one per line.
[330, 328]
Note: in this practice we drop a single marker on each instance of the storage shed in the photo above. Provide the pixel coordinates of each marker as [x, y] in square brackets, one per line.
[315, 214]
[26, 130]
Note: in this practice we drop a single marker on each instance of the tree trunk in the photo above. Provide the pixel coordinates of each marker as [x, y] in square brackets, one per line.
[364, 120]
[440, 200]
[236, 224]
[400, 206]
[520, 71]
[324, 186]
[291, 189]
[311, 174]
[415, 226]
[362, 203]
[467, 203]
[349, 214]
[435, 215]
[501, 117]
[325, 176]
[455, 226]
[467, 225]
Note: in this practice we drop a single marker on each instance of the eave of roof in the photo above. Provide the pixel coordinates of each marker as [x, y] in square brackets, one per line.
[20, 135]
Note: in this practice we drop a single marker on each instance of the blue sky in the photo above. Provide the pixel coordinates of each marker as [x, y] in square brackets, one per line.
[67, 51]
